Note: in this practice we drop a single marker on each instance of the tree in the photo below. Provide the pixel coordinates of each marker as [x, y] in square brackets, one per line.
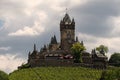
[77, 48]
[115, 59]
[3, 76]
[102, 48]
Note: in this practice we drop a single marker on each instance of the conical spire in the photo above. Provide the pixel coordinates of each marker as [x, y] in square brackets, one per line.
[94, 50]
[34, 47]
[73, 20]
[61, 22]
[52, 40]
[77, 39]
[45, 46]
[82, 43]
[67, 18]
[41, 49]
[102, 51]
[29, 53]
[55, 40]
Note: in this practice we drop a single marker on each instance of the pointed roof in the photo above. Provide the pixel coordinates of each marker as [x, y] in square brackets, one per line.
[41, 49]
[34, 51]
[67, 18]
[82, 43]
[44, 48]
[53, 40]
[77, 39]
[93, 51]
[73, 21]
[34, 47]
[102, 51]
[29, 53]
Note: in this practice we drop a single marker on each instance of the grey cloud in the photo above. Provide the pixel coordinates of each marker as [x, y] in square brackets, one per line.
[93, 17]
[22, 45]
[92, 22]
[101, 8]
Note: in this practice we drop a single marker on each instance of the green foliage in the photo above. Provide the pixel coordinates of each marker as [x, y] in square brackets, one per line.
[112, 74]
[56, 73]
[77, 48]
[115, 59]
[99, 48]
[3, 76]
[65, 73]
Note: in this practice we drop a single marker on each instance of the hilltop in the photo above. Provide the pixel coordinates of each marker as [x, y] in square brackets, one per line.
[3, 76]
[56, 73]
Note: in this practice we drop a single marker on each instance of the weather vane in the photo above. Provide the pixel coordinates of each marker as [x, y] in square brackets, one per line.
[66, 10]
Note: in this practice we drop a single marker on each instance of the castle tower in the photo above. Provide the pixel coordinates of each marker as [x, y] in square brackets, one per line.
[67, 32]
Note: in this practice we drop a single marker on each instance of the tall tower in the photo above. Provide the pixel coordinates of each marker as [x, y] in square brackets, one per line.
[67, 32]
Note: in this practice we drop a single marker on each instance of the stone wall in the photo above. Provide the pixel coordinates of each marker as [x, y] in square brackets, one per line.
[56, 63]
[51, 62]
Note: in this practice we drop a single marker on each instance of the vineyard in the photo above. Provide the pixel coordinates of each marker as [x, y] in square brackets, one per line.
[3, 76]
[64, 73]
[56, 73]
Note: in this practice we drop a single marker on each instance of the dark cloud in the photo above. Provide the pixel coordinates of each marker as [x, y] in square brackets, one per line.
[93, 17]
[21, 45]
[93, 24]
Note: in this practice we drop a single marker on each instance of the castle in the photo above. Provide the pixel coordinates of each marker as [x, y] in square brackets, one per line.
[60, 54]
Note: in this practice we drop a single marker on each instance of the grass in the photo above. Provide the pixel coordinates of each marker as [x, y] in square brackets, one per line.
[65, 73]
[56, 73]
[3, 76]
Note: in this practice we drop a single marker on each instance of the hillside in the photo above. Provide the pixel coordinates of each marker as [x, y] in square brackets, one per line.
[56, 73]
[3, 76]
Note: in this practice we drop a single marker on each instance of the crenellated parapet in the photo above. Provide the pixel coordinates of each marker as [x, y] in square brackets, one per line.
[67, 23]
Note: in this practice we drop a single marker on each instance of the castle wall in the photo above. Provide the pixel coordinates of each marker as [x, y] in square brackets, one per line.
[58, 63]
[51, 62]
[53, 47]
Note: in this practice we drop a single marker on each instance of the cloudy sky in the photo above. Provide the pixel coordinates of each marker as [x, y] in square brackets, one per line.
[25, 22]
